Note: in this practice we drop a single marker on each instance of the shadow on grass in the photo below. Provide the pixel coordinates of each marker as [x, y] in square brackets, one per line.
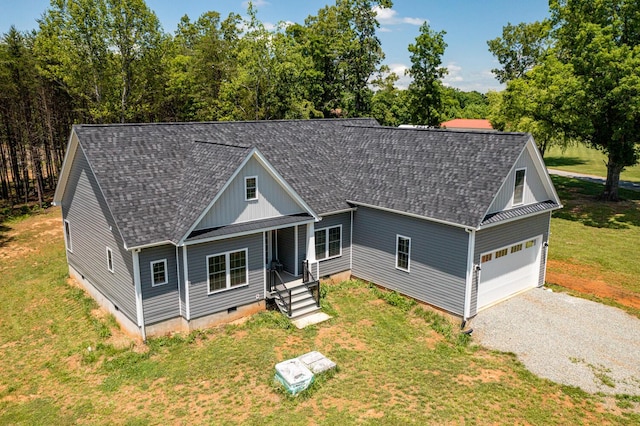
[581, 204]
[563, 161]
[4, 239]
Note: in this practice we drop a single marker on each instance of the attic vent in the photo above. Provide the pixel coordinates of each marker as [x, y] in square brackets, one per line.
[233, 145]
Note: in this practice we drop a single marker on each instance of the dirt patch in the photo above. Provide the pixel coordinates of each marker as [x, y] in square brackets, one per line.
[330, 336]
[587, 279]
[485, 376]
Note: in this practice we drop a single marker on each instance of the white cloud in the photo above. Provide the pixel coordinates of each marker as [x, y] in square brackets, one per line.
[384, 30]
[390, 17]
[414, 21]
[454, 75]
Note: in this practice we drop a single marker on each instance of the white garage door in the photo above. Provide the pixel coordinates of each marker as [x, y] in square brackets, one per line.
[508, 270]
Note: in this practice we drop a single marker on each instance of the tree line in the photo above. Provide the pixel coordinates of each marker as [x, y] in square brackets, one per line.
[109, 61]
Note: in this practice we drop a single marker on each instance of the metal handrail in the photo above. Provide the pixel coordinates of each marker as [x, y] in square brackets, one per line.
[311, 283]
[287, 305]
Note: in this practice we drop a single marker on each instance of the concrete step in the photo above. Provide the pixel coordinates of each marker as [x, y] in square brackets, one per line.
[305, 311]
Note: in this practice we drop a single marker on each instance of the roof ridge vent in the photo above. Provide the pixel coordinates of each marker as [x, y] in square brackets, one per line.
[232, 145]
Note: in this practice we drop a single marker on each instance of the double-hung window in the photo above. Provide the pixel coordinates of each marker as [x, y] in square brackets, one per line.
[403, 252]
[518, 187]
[159, 272]
[328, 242]
[251, 188]
[110, 260]
[67, 235]
[227, 270]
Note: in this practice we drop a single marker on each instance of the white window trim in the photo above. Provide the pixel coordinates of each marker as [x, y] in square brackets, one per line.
[326, 248]
[228, 271]
[524, 187]
[398, 236]
[67, 235]
[246, 178]
[111, 268]
[166, 272]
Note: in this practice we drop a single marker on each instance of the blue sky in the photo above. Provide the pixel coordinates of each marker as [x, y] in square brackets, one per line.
[468, 23]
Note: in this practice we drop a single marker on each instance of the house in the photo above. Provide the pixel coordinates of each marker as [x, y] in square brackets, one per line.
[175, 226]
[467, 124]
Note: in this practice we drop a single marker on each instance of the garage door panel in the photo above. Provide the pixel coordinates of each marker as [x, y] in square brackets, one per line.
[516, 270]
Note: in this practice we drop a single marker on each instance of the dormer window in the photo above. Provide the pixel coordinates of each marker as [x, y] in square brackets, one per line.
[518, 187]
[251, 188]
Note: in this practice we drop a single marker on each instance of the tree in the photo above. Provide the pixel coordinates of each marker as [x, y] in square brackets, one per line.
[543, 102]
[601, 41]
[425, 91]
[389, 104]
[519, 49]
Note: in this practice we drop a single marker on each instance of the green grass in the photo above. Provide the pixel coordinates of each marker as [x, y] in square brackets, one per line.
[399, 363]
[582, 159]
[602, 237]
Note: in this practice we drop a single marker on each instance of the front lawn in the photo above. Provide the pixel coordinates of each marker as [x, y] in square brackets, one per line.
[63, 362]
[581, 159]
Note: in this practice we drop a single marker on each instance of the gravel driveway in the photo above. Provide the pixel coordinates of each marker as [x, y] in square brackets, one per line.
[566, 339]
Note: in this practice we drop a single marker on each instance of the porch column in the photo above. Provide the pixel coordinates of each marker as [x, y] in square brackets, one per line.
[296, 268]
[311, 243]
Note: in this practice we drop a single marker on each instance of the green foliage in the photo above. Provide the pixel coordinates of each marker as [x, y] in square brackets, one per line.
[459, 104]
[393, 298]
[520, 48]
[425, 91]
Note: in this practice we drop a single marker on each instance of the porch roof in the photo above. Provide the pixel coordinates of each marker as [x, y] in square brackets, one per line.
[249, 227]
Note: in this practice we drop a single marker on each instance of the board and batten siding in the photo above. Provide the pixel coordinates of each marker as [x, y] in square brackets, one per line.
[534, 190]
[342, 262]
[499, 236]
[200, 302]
[161, 302]
[273, 200]
[93, 229]
[438, 257]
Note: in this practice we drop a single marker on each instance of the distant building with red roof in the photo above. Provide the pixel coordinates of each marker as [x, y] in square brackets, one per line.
[467, 124]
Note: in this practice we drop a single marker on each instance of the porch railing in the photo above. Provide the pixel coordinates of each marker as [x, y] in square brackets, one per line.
[284, 294]
[312, 284]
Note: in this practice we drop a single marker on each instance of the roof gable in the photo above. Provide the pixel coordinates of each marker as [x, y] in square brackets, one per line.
[228, 206]
[538, 187]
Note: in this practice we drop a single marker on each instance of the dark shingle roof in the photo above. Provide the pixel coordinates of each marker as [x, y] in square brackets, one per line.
[159, 178]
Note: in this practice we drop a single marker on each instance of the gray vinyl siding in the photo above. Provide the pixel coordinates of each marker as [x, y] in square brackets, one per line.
[534, 190]
[161, 302]
[231, 207]
[438, 257]
[93, 230]
[200, 302]
[341, 263]
[506, 234]
[286, 249]
[302, 244]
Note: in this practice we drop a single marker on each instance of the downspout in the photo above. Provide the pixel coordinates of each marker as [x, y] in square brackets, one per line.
[179, 284]
[185, 268]
[351, 244]
[138, 290]
[545, 247]
[469, 278]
